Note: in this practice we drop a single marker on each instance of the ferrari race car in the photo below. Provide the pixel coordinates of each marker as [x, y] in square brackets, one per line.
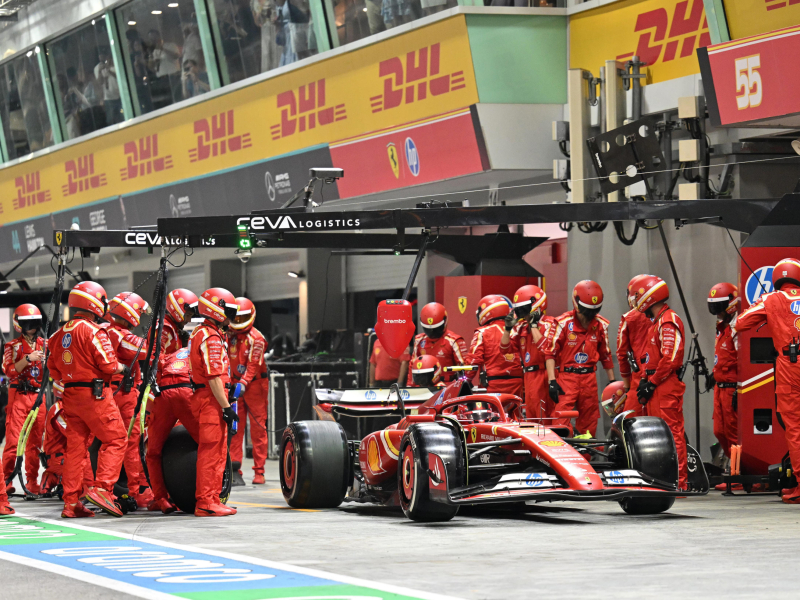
[454, 446]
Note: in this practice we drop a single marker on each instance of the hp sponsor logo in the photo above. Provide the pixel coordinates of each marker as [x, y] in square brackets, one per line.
[615, 477]
[370, 395]
[795, 307]
[760, 282]
[412, 158]
[405, 395]
[534, 480]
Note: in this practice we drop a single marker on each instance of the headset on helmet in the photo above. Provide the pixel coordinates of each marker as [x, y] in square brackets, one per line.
[529, 299]
[613, 399]
[426, 370]
[218, 304]
[723, 298]
[786, 271]
[588, 296]
[245, 317]
[27, 317]
[181, 302]
[651, 290]
[433, 318]
[89, 296]
[129, 307]
[491, 308]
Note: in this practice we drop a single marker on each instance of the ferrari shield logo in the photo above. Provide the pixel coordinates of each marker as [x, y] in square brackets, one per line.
[391, 150]
[713, 293]
[462, 304]
[594, 299]
[473, 434]
[59, 236]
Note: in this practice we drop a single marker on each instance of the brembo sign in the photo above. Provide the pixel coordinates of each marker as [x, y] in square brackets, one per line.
[295, 222]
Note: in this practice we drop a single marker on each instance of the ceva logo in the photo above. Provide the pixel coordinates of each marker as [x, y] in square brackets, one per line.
[760, 282]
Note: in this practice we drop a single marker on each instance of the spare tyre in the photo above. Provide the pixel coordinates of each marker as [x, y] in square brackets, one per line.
[179, 464]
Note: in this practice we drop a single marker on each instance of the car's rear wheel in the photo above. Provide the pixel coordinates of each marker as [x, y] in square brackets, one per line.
[315, 464]
[413, 480]
[651, 451]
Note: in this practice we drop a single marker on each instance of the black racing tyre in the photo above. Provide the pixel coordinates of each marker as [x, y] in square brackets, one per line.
[179, 464]
[413, 481]
[650, 450]
[315, 464]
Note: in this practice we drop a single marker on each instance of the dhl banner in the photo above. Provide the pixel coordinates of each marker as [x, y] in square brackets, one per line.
[662, 33]
[419, 74]
[751, 17]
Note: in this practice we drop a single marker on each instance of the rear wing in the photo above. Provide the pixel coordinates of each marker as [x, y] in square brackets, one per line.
[372, 402]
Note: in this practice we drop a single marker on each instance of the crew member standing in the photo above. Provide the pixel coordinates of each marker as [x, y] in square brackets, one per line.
[579, 341]
[248, 367]
[82, 357]
[723, 303]
[448, 347]
[22, 364]
[660, 391]
[210, 371]
[385, 370]
[503, 369]
[529, 327]
[780, 310]
[632, 342]
[125, 312]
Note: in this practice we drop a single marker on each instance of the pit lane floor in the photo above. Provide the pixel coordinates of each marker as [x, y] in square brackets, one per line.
[711, 547]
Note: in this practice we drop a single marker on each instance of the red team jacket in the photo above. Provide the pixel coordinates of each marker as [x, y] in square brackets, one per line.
[726, 354]
[521, 342]
[665, 353]
[14, 351]
[450, 349]
[175, 368]
[246, 355]
[126, 347]
[570, 345]
[633, 335]
[208, 355]
[485, 351]
[81, 351]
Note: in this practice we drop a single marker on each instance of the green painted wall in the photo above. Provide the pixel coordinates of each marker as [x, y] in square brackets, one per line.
[519, 59]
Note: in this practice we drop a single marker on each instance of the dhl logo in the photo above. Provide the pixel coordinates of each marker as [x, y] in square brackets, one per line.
[305, 110]
[143, 158]
[412, 81]
[775, 4]
[661, 38]
[29, 191]
[81, 176]
[215, 136]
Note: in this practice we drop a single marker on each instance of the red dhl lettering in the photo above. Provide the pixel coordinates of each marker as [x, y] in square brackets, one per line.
[81, 176]
[305, 109]
[659, 39]
[774, 4]
[405, 83]
[143, 159]
[215, 136]
[29, 191]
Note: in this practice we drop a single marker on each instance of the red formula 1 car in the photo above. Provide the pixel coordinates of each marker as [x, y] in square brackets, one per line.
[455, 446]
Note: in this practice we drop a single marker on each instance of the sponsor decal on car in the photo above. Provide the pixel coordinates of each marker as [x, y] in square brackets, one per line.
[552, 443]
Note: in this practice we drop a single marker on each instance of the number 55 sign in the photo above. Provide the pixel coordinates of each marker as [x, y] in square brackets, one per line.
[753, 79]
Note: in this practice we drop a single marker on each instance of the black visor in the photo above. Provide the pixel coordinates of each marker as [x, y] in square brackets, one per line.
[434, 332]
[717, 308]
[230, 311]
[31, 323]
[523, 311]
[423, 379]
[589, 313]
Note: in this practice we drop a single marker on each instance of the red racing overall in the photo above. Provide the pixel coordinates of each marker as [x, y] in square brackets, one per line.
[576, 352]
[55, 449]
[633, 336]
[537, 401]
[246, 354]
[726, 376]
[664, 358]
[79, 352]
[208, 355]
[503, 369]
[22, 393]
[449, 349]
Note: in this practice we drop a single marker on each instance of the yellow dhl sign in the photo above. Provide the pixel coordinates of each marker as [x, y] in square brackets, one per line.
[663, 33]
[751, 17]
[422, 73]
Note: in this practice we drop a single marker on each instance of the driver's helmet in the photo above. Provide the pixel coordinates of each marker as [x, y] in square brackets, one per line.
[483, 416]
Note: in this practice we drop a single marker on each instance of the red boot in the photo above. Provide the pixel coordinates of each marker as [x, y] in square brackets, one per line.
[75, 511]
[103, 500]
[144, 498]
[258, 479]
[795, 491]
[212, 510]
[33, 488]
[162, 504]
[230, 510]
[5, 509]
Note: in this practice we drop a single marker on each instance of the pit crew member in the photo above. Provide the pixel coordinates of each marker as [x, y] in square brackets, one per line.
[632, 341]
[503, 369]
[723, 303]
[181, 307]
[54, 446]
[385, 370]
[448, 347]
[426, 371]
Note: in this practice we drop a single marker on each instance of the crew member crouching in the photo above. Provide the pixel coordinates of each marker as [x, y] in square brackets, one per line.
[436, 339]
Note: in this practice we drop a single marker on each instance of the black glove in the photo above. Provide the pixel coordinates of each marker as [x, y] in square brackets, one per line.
[229, 416]
[735, 402]
[555, 391]
[511, 320]
[645, 391]
[710, 382]
[536, 316]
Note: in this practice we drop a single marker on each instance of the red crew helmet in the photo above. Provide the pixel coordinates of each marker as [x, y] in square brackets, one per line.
[426, 370]
[245, 317]
[179, 301]
[129, 307]
[723, 298]
[786, 271]
[651, 290]
[613, 398]
[27, 317]
[528, 299]
[218, 304]
[588, 296]
[433, 318]
[633, 285]
[491, 308]
[89, 296]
